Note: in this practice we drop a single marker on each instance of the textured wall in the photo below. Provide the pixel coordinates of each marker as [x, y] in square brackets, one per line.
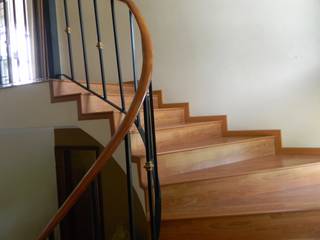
[27, 182]
[256, 61]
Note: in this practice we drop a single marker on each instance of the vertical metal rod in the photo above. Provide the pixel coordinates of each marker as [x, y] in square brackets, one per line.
[116, 44]
[133, 57]
[149, 168]
[68, 32]
[6, 20]
[127, 138]
[130, 187]
[133, 50]
[158, 207]
[84, 49]
[100, 48]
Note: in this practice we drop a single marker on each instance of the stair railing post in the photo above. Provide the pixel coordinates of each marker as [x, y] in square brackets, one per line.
[84, 48]
[68, 31]
[149, 167]
[127, 138]
[100, 47]
[157, 188]
[133, 60]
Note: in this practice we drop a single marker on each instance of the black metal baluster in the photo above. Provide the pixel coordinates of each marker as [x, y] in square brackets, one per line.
[133, 50]
[130, 186]
[154, 193]
[127, 138]
[116, 44]
[83, 44]
[9, 62]
[149, 167]
[100, 48]
[158, 207]
[133, 57]
[68, 32]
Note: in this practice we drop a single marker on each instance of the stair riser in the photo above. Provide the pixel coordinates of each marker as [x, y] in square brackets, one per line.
[92, 104]
[65, 88]
[167, 117]
[62, 88]
[128, 99]
[113, 88]
[174, 116]
[183, 162]
[188, 161]
[285, 226]
[185, 134]
[282, 190]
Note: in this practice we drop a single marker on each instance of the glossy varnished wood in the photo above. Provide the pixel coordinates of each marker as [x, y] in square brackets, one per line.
[186, 158]
[255, 165]
[280, 190]
[168, 137]
[303, 225]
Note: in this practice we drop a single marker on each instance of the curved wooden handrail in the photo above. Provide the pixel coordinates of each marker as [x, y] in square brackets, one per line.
[121, 132]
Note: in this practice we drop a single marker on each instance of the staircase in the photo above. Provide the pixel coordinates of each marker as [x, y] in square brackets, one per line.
[216, 183]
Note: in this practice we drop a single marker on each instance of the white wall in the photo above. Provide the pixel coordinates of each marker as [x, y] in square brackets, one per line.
[256, 61]
[27, 182]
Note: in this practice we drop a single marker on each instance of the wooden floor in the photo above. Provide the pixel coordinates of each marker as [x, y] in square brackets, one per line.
[217, 184]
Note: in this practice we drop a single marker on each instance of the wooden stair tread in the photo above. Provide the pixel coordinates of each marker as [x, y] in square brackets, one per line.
[66, 87]
[268, 163]
[218, 141]
[275, 191]
[300, 225]
[181, 125]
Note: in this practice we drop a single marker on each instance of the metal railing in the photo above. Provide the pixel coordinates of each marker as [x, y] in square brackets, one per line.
[143, 91]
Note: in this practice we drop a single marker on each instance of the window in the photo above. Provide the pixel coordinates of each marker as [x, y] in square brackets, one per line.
[3, 53]
[16, 61]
